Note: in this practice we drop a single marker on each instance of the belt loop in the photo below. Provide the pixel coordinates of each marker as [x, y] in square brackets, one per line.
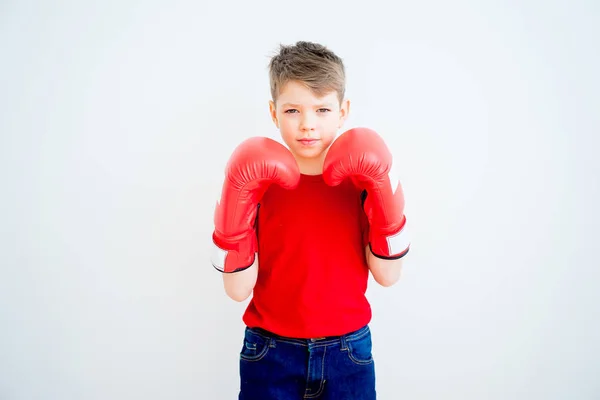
[343, 342]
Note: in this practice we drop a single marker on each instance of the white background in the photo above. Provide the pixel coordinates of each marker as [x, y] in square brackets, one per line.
[117, 118]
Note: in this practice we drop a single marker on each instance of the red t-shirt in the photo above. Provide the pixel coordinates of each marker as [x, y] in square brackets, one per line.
[312, 269]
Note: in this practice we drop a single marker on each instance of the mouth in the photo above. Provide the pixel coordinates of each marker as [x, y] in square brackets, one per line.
[308, 142]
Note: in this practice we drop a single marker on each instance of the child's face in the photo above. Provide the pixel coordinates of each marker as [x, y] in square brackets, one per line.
[308, 124]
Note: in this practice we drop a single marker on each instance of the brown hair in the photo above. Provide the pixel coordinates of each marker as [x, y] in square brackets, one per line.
[312, 64]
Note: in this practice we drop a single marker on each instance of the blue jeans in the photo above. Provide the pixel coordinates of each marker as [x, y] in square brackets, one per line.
[334, 368]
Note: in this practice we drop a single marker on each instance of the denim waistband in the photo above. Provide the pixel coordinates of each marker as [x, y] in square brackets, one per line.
[349, 337]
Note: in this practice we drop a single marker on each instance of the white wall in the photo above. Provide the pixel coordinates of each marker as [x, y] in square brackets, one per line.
[117, 118]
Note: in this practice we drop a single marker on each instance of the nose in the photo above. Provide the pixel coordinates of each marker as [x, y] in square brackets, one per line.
[308, 122]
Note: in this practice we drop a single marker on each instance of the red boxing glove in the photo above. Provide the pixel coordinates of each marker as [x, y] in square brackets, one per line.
[254, 165]
[361, 155]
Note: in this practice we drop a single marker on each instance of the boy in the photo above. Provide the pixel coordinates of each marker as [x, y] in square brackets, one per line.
[300, 228]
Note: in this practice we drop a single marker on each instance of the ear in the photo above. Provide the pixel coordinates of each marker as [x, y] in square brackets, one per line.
[273, 112]
[344, 111]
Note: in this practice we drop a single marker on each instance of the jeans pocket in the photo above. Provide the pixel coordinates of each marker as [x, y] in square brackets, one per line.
[360, 350]
[254, 346]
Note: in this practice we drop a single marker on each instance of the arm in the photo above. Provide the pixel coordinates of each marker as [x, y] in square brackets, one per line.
[239, 285]
[254, 165]
[385, 272]
[362, 155]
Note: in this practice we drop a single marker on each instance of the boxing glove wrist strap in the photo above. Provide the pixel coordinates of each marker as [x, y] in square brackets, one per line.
[389, 244]
[233, 255]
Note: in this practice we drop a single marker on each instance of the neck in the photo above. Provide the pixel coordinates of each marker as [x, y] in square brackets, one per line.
[313, 166]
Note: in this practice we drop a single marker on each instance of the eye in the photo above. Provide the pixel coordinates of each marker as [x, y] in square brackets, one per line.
[324, 110]
[290, 111]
